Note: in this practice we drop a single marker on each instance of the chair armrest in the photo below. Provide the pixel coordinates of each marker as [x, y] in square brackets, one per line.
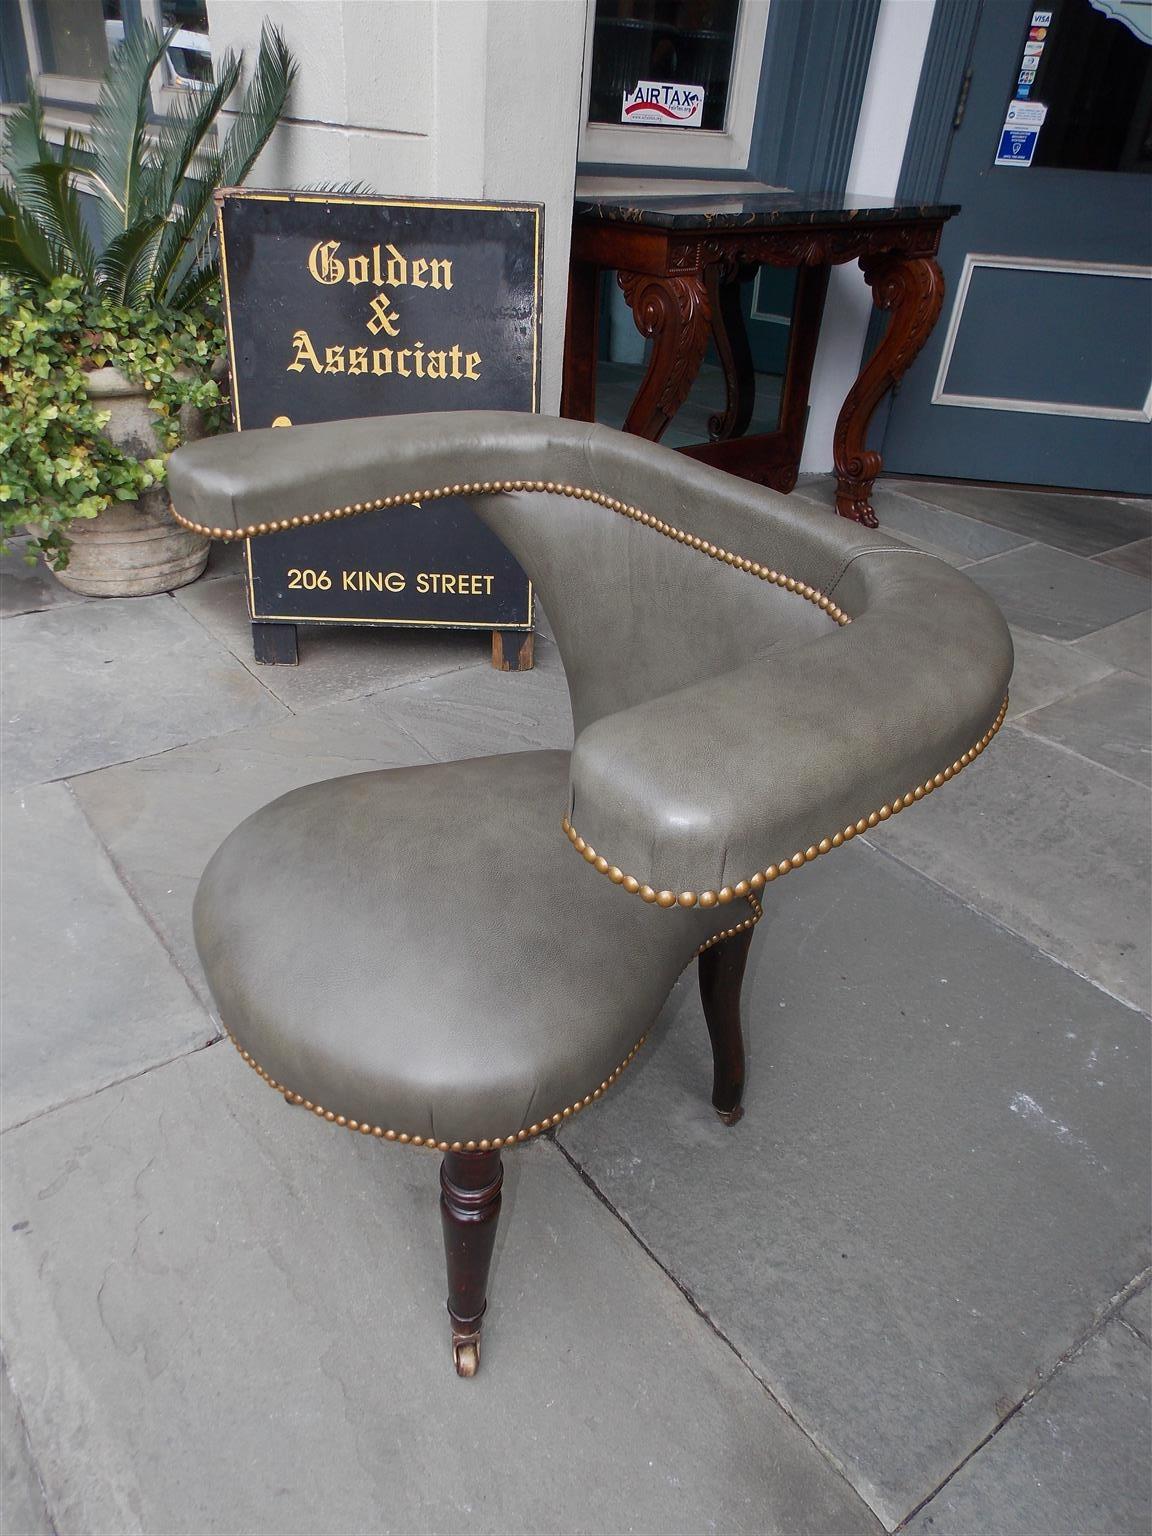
[775, 761]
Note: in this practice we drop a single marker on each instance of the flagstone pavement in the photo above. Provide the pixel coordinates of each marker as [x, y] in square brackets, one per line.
[909, 1291]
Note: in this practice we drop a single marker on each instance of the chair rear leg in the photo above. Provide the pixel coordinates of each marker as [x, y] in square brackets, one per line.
[469, 1210]
[721, 971]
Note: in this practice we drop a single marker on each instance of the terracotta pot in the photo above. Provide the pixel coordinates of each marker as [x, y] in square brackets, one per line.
[133, 548]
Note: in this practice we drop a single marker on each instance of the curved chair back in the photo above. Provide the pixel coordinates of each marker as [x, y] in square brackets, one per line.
[741, 665]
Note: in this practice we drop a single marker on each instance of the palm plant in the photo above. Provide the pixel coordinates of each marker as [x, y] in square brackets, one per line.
[153, 191]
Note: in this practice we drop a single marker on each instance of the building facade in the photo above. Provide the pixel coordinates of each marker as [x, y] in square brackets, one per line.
[1040, 370]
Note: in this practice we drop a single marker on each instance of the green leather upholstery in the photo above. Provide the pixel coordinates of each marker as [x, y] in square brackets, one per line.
[422, 949]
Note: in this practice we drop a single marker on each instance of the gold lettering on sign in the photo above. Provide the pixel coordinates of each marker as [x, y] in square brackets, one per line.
[387, 268]
[372, 581]
[414, 362]
[461, 583]
[382, 317]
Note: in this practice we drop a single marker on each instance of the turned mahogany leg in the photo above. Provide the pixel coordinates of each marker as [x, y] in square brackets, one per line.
[676, 314]
[469, 1210]
[721, 971]
[912, 289]
[731, 337]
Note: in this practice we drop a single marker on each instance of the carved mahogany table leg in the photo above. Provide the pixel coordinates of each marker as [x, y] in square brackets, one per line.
[676, 313]
[578, 393]
[731, 337]
[469, 1210]
[912, 289]
[721, 974]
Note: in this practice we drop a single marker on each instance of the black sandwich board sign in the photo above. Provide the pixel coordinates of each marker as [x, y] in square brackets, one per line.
[372, 306]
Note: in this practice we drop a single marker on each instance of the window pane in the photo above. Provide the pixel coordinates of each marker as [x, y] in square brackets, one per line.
[683, 42]
[1095, 78]
[188, 15]
[189, 56]
[74, 36]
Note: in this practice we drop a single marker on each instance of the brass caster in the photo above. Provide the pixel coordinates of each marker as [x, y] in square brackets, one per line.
[731, 1116]
[466, 1355]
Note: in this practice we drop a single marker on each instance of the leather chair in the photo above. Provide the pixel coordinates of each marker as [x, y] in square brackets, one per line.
[464, 955]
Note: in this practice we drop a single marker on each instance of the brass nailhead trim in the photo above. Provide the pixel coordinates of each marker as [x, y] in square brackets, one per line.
[730, 933]
[762, 877]
[491, 487]
[487, 1144]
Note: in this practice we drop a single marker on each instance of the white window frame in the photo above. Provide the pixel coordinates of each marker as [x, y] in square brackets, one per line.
[53, 88]
[688, 148]
[75, 90]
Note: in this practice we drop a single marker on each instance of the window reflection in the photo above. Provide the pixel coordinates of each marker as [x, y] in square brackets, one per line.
[684, 42]
[1095, 77]
[74, 36]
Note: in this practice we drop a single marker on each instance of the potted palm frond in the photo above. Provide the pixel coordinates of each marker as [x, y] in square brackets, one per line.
[111, 345]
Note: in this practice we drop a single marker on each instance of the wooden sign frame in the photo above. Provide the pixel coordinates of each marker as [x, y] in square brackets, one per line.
[340, 306]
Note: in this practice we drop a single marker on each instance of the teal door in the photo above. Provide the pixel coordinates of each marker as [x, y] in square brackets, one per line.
[1040, 368]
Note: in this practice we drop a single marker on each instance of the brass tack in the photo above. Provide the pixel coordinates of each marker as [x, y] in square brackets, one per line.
[725, 894]
[601, 863]
[757, 881]
[708, 898]
[741, 888]
[665, 898]
[687, 898]
[772, 872]
[647, 893]
[615, 875]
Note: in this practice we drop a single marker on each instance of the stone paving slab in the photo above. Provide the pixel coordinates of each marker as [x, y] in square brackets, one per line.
[1082, 525]
[103, 682]
[1075, 1461]
[1135, 557]
[337, 661]
[1052, 846]
[1137, 1313]
[473, 713]
[90, 996]
[28, 588]
[223, 1315]
[940, 1181]
[163, 817]
[1109, 721]
[1127, 645]
[22, 1508]
[1046, 670]
[1056, 594]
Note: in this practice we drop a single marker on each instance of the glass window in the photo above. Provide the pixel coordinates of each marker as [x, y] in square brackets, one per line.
[680, 42]
[189, 57]
[1095, 77]
[74, 36]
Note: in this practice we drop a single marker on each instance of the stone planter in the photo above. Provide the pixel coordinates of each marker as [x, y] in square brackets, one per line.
[133, 548]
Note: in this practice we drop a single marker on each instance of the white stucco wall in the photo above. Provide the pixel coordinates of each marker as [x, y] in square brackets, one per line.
[889, 97]
[421, 98]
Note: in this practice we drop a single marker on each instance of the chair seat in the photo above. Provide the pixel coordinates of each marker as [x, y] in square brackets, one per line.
[419, 952]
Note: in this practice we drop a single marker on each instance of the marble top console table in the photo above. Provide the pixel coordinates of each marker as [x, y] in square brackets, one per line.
[680, 261]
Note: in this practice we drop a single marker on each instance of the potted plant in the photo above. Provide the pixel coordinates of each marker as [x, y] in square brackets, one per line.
[111, 345]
